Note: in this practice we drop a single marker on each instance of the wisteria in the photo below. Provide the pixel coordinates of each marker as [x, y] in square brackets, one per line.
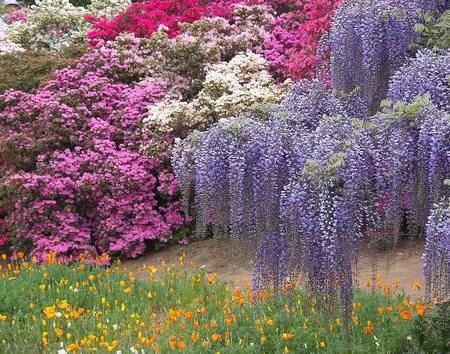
[427, 73]
[436, 256]
[369, 41]
[412, 162]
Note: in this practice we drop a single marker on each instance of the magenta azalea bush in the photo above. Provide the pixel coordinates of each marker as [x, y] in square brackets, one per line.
[75, 181]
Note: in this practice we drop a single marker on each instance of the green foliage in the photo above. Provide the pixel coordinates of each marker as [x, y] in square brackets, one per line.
[431, 333]
[28, 71]
[433, 33]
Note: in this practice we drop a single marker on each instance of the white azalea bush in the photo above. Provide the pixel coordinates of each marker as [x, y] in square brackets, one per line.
[9, 47]
[229, 90]
[53, 25]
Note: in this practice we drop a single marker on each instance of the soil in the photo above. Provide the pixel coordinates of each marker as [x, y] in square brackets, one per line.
[402, 265]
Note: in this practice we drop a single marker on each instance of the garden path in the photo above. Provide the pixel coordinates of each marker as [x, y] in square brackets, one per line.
[405, 263]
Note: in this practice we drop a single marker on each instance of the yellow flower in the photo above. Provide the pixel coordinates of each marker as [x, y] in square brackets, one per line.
[380, 310]
[263, 340]
[149, 295]
[416, 286]
[50, 312]
[338, 322]
[91, 277]
[270, 323]
[128, 290]
[42, 287]
[286, 350]
[322, 344]
[3, 317]
[153, 269]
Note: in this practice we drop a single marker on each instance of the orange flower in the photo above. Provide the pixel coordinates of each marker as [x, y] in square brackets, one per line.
[380, 310]
[389, 309]
[406, 315]
[195, 336]
[181, 345]
[263, 295]
[189, 315]
[216, 338]
[263, 340]
[416, 286]
[20, 255]
[369, 328]
[3, 317]
[420, 310]
[288, 336]
[73, 347]
[213, 324]
[172, 342]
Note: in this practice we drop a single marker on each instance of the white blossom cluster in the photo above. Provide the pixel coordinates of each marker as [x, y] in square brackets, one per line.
[56, 24]
[229, 90]
[9, 47]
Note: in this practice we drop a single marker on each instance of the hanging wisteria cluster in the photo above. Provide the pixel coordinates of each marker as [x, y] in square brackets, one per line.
[436, 258]
[427, 73]
[369, 41]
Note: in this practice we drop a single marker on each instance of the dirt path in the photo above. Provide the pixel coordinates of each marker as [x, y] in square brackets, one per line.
[214, 256]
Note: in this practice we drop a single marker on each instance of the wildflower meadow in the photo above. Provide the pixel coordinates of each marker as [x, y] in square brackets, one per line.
[312, 136]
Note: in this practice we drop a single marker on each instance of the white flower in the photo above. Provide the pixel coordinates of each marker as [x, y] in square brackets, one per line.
[62, 351]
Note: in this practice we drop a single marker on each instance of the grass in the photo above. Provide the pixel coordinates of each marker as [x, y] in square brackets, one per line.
[87, 308]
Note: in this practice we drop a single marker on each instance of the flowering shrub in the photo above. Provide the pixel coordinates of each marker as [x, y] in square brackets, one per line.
[99, 200]
[56, 24]
[144, 18]
[427, 73]
[20, 15]
[9, 47]
[74, 180]
[229, 90]
[292, 44]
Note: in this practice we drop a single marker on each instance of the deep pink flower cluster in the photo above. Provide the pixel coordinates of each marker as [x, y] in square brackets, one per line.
[74, 178]
[291, 46]
[144, 18]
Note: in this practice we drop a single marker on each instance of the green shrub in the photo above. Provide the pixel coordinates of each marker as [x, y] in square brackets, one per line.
[27, 71]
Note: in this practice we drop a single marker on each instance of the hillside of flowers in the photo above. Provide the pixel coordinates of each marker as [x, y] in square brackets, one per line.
[297, 129]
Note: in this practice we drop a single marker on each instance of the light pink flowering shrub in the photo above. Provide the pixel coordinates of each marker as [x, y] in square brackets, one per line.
[19, 15]
[74, 181]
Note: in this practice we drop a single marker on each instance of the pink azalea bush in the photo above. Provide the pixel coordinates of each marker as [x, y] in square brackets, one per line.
[292, 44]
[74, 179]
[20, 15]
